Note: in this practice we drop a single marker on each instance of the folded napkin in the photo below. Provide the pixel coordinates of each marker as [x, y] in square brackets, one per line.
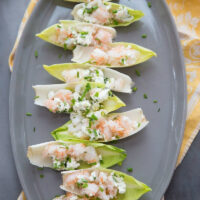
[187, 18]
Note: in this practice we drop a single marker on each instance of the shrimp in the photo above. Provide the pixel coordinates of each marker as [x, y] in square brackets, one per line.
[62, 35]
[91, 155]
[50, 104]
[103, 36]
[58, 151]
[72, 178]
[99, 56]
[102, 15]
[64, 95]
[76, 150]
[104, 129]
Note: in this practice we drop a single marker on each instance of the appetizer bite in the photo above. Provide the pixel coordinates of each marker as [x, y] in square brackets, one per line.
[119, 54]
[74, 154]
[80, 98]
[96, 126]
[75, 72]
[106, 13]
[69, 33]
[103, 184]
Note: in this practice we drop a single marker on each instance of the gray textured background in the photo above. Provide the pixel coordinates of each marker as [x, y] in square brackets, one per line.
[186, 181]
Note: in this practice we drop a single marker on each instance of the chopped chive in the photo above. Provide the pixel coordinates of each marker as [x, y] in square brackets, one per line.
[134, 89]
[145, 96]
[28, 114]
[59, 26]
[149, 4]
[137, 72]
[144, 35]
[123, 61]
[155, 101]
[34, 129]
[129, 169]
[93, 117]
[101, 189]
[65, 47]
[139, 124]
[40, 168]
[60, 55]
[41, 176]
[158, 109]
[114, 11]
[77, 74]
[115, 22]
[36, 97]
[36, 53]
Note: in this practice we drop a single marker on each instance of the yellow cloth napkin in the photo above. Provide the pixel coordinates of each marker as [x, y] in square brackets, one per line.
[187, 17]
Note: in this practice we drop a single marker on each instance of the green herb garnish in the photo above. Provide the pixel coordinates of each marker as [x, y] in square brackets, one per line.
[65, 46]
[134, 89]
[59, 26]
[137, 72]
[149, 4]
[129, 169]
[158, 109]
[28, 114]
[144, 35]
[77, 74]
[36, 54]
[34, 129]
[41, 176]
[36, 97]
[114, 11]
[155, 101]
[145, 96]
[101, 189]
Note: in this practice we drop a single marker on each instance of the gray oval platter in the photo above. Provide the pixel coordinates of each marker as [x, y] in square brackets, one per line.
[152, 153]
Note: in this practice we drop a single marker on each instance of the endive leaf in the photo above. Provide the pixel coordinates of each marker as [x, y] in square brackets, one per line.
[42, 91]
[136, 14]
[51, 33]
[136, 115]
[126, 82]
[110, 155]
[83, 54]
[134, 188]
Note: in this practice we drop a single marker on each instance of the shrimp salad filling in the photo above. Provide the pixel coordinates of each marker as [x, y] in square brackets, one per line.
[81, 35]
[98, 184]
[80, 101]
[116, 55]
[98, 12]
[92, 75]
[96, 126]
[68, 157]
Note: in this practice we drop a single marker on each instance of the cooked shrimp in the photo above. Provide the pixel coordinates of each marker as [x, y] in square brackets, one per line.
[57, 151]
[64, 95]
[103, 36]
[99, 56]
[50, 104]
[102, 15]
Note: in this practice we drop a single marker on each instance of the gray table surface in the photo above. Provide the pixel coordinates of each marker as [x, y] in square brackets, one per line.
[186, 180]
